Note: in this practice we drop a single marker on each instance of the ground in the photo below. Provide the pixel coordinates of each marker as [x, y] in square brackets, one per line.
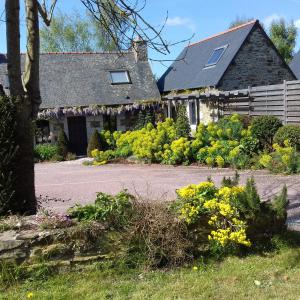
[269, 276]
[73, 182]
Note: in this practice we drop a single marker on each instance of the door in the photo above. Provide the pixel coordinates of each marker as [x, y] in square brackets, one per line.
[77, 135]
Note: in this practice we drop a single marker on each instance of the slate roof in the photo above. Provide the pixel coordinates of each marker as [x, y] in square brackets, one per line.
[83, 79]
[189, 72]
[295, 65]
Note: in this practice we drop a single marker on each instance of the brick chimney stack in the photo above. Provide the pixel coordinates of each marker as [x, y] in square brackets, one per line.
[140, 49]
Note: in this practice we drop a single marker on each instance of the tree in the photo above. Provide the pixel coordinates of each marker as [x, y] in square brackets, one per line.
[284, 38]
[62, 144]
[239, 21]
[120, 20]
[182, 125]
[74, 33]
[94, 143]
[26, 93]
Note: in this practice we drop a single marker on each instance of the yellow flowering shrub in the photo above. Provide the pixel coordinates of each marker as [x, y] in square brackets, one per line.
[284, 159]
[219, 206]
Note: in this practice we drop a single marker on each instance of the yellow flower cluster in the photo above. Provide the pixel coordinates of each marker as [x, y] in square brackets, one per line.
[219, 206]
[284, 159]
[225, 236]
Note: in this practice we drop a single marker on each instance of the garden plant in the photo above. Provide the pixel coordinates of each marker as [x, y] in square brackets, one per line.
[233, 141]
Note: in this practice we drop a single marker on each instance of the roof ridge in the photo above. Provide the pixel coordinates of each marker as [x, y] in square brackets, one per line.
[85, 52]
[224, 32]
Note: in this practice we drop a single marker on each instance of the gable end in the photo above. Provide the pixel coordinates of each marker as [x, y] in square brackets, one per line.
[258, 62]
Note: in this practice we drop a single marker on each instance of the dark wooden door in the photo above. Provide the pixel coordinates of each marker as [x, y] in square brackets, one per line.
[77, 135]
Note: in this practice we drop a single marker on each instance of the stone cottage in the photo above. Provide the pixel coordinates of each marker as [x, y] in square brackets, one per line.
[82, 92]
[295, 65]
[235, 59]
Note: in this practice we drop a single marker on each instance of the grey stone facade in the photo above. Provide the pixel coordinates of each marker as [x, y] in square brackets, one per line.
[257, 63]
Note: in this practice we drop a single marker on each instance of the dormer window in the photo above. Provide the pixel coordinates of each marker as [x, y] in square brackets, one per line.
[119, 77]
[216, 56]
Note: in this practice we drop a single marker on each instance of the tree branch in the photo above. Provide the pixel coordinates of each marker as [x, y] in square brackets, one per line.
[46, 16]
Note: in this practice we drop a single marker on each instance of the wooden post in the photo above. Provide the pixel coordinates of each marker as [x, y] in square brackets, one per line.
[284, 102]
[169, 108]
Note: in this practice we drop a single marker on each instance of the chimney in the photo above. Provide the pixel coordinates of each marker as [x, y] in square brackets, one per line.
[140, 49]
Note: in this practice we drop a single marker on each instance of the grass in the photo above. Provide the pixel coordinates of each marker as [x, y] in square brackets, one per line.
[270, 276]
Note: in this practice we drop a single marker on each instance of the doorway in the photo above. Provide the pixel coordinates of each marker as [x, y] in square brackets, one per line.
[77, 135]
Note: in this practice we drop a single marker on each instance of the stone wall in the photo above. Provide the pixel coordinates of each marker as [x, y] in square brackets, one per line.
[256, 64]
[66, 246]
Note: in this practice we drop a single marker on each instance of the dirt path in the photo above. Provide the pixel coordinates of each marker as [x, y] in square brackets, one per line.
[75, 183]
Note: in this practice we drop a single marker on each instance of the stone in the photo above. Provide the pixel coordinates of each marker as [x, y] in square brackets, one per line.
[8, 241]
[56, 251]
[27, 235]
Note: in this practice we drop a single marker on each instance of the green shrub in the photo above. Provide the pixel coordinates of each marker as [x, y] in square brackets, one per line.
[264, 129]
[8, 150]
[289, 133]
[144, 117]
[115, 211]
[62, 144]
[44, 152]
[283, 160]
[94, 143]
[233, 215]
[182, 125]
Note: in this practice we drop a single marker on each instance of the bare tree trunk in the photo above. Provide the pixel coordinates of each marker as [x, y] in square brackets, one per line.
[25, 201]
[31, 76]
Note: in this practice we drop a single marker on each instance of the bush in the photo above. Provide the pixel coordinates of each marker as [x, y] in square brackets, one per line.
[8, 150]
[264, 129]
[235, 215]
[144, 117]
[44, 152]
[157, 237]
[183, 128]
[283, 160]
[289, 133]
[62, 144]
[94, 143]
[115, 211]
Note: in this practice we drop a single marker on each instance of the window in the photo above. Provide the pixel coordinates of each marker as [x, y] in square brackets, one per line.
[119, 77]
[110, 123]
[216, 56]
[42, 132]
[192, 110]
[95, 124]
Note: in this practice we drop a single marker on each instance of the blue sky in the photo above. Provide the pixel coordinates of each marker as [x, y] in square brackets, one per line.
[187, 17]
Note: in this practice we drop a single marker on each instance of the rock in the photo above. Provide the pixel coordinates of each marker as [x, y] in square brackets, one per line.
[14, 254]
[8, 241]
[56, 251]
[27, 235]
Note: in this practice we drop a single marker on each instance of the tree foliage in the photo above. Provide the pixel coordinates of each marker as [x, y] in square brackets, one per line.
[8, 149]
[94, 143]
[183, 128]
[284, 37]
[239, 21]
[62, 144]
[74, 33]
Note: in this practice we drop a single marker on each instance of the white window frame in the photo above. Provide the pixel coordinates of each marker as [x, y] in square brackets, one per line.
[128, 81]
[224, 47]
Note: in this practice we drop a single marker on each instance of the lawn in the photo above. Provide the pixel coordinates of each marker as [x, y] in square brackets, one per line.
[273, 275]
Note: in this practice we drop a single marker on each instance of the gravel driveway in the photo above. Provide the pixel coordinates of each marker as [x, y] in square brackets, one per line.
[74, 183]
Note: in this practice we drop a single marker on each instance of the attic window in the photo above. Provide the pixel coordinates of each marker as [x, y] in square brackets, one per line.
[216, 56]
[119, 77]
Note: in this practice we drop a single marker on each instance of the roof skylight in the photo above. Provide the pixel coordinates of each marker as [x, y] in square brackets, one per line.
[119, 77]
[216, 56]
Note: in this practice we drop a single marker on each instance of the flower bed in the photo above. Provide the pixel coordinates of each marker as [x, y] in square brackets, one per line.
[230, 142]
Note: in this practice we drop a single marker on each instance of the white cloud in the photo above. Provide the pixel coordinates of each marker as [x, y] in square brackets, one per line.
[183, 22]
[268, 20]
[297, 23]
